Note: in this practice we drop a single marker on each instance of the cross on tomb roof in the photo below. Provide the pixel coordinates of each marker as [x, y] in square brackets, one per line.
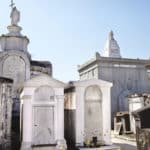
[12, 4]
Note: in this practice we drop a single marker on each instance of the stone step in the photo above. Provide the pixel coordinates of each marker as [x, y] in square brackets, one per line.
[112, 147]
[44, 148]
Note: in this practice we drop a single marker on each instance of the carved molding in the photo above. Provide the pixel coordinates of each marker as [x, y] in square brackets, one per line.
[59, 97]
[26, 97]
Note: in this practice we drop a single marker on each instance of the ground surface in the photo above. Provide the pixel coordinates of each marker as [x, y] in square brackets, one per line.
[124, 144]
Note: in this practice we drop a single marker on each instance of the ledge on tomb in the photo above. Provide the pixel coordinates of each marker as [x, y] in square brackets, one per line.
[41, 63]
[111, 147]
[44, 147]
[5, 80]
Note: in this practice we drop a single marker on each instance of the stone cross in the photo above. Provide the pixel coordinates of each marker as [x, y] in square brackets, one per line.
[12, 4]
[111, 35]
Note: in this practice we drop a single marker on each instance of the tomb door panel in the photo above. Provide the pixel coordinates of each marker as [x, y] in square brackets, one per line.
[43, 125]
[93, 120]
[93, 113]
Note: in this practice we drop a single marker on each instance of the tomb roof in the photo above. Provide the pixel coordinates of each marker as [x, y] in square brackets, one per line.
[41, 63]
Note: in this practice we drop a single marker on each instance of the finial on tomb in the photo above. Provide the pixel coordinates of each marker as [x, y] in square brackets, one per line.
[14, 29]
[15, 16]
[111, 35]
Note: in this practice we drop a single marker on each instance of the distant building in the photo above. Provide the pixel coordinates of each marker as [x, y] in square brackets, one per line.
[128, 76]
[148, 70]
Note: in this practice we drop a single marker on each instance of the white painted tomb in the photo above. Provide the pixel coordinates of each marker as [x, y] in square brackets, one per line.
[88, 112]
[42, 113]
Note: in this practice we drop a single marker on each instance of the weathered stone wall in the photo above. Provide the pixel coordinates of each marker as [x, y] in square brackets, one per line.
[40, 67]
[126, 80]
[16, 63]
[5, 113]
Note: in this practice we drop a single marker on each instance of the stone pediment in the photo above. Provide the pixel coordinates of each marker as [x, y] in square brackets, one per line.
[44, 79]
[92, 82]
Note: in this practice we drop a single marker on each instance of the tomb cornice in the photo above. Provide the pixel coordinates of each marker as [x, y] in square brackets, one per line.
[5, 80]
[20, 53]
[10, 36]
[108, 60]
[59, 97]
[26, 97]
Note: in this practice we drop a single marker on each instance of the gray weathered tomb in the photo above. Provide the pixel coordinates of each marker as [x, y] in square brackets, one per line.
[16, 63]
[128, 76]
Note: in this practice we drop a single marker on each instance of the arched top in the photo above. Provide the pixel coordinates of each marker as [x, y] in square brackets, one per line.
[93, 93]
[44, 79]
[20, 54]
[44, 93]
[15, 67]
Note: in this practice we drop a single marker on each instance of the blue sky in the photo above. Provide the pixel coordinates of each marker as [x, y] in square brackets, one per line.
[69, 32]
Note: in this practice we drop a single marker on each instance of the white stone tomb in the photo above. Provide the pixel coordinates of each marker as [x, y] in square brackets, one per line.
[89, 104]
[42, 106]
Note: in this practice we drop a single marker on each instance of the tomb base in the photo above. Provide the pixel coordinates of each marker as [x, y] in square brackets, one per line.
[44, 148]
[26, 146]
[61, 145]
[112, 147]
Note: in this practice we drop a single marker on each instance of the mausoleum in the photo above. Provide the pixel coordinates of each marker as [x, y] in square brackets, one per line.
[128, 76]
[88, 112]
[42, 111]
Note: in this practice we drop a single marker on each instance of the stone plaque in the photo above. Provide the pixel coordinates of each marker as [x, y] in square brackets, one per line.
[44, 93]
[14, 67]
[43, 125]
[93, 113]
